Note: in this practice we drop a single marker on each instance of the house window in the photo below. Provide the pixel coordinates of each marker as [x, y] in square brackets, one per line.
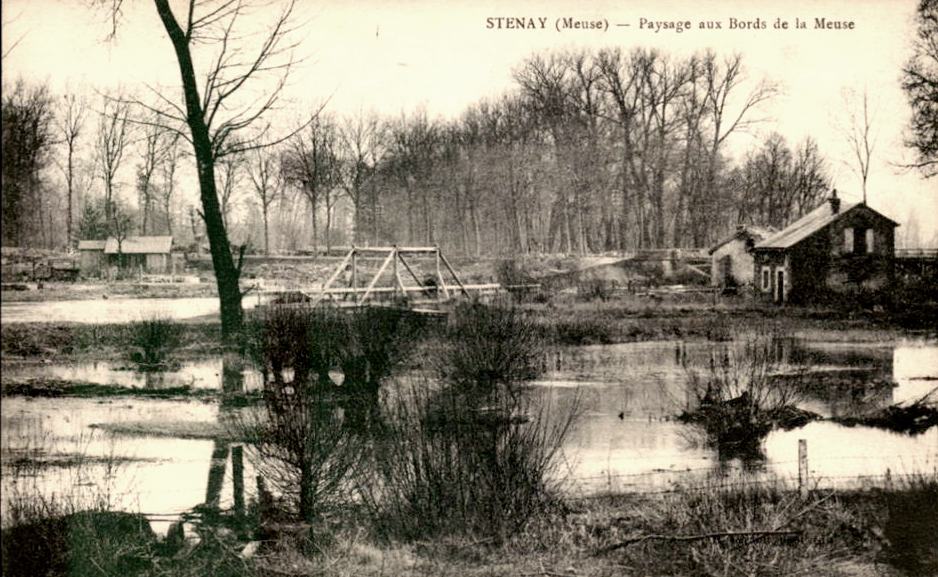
[860, 238]
[869, 240]
[765, 278]
[848, 240]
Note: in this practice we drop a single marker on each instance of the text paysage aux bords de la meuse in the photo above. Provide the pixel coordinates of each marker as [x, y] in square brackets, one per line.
[742, 24]
[656, 26]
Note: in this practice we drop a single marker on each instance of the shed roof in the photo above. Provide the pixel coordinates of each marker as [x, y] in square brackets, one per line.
[91, 244]
[807, 225]
[756, 233]
[141, 245]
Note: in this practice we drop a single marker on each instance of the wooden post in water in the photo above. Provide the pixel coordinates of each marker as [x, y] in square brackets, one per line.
[803, 467]
[237, 474]
[216, 474]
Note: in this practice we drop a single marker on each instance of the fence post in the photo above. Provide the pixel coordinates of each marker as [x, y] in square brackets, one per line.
[237, 473]
[803, 467]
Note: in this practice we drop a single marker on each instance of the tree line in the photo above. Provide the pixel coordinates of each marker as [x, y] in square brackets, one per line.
[586, 152]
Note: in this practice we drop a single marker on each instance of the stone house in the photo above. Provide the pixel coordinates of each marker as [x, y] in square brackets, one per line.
[837, 250]
[731, 263]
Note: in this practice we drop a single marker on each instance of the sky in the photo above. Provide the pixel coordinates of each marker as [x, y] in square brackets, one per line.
[394, 56]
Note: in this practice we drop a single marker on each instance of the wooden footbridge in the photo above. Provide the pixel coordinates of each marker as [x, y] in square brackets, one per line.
[399, 279]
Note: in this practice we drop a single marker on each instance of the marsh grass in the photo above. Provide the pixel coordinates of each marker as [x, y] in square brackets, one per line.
[103, 341]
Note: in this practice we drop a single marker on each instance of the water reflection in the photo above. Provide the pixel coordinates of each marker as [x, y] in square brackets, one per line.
[113, 310]
[126, 456]
[198, 374]
[626, 439]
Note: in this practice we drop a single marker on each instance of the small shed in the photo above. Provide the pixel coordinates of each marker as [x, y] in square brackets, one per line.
[731, 263]
[91, 259]
[152, 254]
[835, 251]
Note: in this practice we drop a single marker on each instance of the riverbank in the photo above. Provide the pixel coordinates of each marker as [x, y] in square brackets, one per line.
[767, 530]
[64, 291]
[571, 323]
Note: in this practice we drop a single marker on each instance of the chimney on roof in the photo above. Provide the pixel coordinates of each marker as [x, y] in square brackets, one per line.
[835, 202]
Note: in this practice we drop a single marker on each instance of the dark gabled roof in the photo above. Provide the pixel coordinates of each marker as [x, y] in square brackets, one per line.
[756, 233]
[811, 223]
[91, 244]
[140, 245]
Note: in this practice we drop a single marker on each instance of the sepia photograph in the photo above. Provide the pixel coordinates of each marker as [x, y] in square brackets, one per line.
[503, 288]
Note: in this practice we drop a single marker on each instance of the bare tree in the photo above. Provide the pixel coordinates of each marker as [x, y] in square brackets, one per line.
[70, 127]
[363, 146]
[920, 82]
[110, 144]
[168, 166]
[120, 225]
[212, 112]
[312, 164]
[858, 129]
[154, 150]
[229, 180]
[724, 119]
[28, 136]
[267, 178]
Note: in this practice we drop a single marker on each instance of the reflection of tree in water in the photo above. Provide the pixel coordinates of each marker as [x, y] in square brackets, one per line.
[231, 399]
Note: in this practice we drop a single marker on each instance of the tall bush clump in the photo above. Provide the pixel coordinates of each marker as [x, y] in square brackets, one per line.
[378, 341]
[152, 342]
[474, 453]
[745, 392]
[490, 351]
[302, 447]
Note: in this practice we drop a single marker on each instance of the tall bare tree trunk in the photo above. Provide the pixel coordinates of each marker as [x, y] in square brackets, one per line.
[226, 273]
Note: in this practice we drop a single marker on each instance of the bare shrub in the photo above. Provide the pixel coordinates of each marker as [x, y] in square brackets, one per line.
[302, 447]
[477, 453]
[152, 342]
[595, 289]
[746, 391]
[300, 339]
[445, 468]
[490, 349]
[378, 341]
[510, 272]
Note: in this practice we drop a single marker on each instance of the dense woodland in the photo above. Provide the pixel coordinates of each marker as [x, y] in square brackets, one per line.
[586, 152]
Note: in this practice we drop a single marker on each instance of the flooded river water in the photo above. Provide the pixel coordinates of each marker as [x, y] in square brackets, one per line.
[113, 310]
[626, 438]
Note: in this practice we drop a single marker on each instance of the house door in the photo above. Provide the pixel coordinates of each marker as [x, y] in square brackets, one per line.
[726, 271]
[780, 287]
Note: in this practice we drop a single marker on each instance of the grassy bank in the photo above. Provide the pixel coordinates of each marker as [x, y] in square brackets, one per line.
[61, 291]
[64, 341]
[705, 531]
[572, 323]
[630, 320]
